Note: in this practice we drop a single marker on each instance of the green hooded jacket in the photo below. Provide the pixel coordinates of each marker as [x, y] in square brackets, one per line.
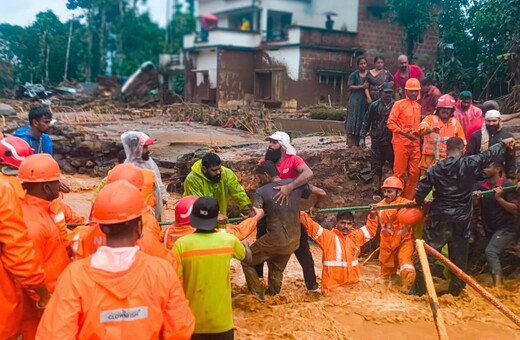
[197, 184]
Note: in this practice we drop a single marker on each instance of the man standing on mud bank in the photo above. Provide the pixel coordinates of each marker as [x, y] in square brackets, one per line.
[208, 177]
[283, 229]
[290, 166]
[35, 134]
[449, 217]
[403, 121]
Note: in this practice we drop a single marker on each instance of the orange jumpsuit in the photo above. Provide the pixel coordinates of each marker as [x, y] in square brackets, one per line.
[18, 263]
[87, 239]
[406, 116]
[340, 252]
[148, 188]
[62, 214]
[242, 230]
[15, 183]
[49, 248]
[434, 146]
[144, 302]
[396, 247]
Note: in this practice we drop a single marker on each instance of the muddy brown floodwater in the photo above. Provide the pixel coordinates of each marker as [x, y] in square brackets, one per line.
[370, 309]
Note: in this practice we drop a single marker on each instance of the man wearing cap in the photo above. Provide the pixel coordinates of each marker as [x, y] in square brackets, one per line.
[40, 175]
[204, 268]
[491, 133]
[403, 121]
[208, 177]
[119, 291]
[465, 111]
[380, 136]
[136, 148]
[35, 134]
[405, 72]
[290, 166]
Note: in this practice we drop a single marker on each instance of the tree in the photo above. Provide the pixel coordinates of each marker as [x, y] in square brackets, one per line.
[415, 17]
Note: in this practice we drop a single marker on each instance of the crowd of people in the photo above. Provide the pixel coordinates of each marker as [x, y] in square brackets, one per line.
[119, 274]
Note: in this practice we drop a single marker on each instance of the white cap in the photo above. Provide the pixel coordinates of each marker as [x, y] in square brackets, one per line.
[492, 114]
[284, 140]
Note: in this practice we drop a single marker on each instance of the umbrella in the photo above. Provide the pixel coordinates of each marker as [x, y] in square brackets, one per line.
[330, 14]
[209, 16]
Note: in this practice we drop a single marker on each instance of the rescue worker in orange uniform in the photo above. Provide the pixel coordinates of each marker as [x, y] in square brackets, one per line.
[40, 175]
[119, 292]
[396, 246]
[91, 237]
[403, 121]
[13, 150]
[182, 225]
[437, 129]
[340, 246]
[19, 267]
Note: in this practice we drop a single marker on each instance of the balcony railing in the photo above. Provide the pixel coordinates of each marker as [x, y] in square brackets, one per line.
[223, 37]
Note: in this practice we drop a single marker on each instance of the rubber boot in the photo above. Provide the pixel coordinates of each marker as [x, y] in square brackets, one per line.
[498, 280]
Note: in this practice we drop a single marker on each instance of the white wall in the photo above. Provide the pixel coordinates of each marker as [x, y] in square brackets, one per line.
[305, 13]
[290, 57]
[206, 60]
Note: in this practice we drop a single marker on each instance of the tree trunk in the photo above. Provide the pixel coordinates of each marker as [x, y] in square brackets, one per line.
[102, 41]
[47, 64]
[67, 54]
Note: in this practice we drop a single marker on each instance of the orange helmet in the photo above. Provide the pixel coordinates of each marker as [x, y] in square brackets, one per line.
[183, 210]
[126, 171]
[446, 101]
[38, 168]
[392, 182]
[118, 202]
[410, 216]
[13, 150]
[413, 84]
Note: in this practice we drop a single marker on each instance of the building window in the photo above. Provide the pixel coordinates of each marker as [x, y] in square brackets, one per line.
[333, 80]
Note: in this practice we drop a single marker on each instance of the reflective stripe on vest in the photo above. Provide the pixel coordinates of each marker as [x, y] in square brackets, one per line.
[339, 263]
[319, 232]
[366, 233]
[434, 143]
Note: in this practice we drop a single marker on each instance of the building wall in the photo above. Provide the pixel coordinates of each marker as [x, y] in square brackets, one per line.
[380, 36]
[288, 58]
[235, 79]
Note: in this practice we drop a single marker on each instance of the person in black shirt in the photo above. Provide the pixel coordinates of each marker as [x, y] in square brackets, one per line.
[380, 136]
[498, 216]
[452, 179]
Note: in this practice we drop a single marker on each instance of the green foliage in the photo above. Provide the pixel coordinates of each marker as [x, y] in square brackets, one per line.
[478, 41]
[327, 113]
[415, 17]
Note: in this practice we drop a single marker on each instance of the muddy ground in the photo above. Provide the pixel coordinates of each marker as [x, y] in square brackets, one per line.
[370, 309]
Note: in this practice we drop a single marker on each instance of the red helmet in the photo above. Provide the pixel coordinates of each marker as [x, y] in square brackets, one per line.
[183, 210]
[13, 151]
[446, 101]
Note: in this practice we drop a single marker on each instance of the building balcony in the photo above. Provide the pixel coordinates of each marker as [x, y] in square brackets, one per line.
[222, 37]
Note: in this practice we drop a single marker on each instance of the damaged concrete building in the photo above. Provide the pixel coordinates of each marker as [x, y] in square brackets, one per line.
[288, 53]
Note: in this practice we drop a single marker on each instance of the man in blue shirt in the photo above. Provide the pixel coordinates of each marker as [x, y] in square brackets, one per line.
[35, 134]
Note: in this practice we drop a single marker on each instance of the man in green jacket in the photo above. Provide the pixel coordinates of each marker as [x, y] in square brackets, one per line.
[208, 177]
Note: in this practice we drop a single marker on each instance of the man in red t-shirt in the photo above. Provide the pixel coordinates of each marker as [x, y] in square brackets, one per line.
[289, 165]
[403, 73]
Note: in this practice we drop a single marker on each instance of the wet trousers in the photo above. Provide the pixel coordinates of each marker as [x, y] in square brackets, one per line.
[438, 231]
[499, 240]
[407, 162]
[426, 162]
[398, 259]
[303, 255]
[380, 154]
[276, 265]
